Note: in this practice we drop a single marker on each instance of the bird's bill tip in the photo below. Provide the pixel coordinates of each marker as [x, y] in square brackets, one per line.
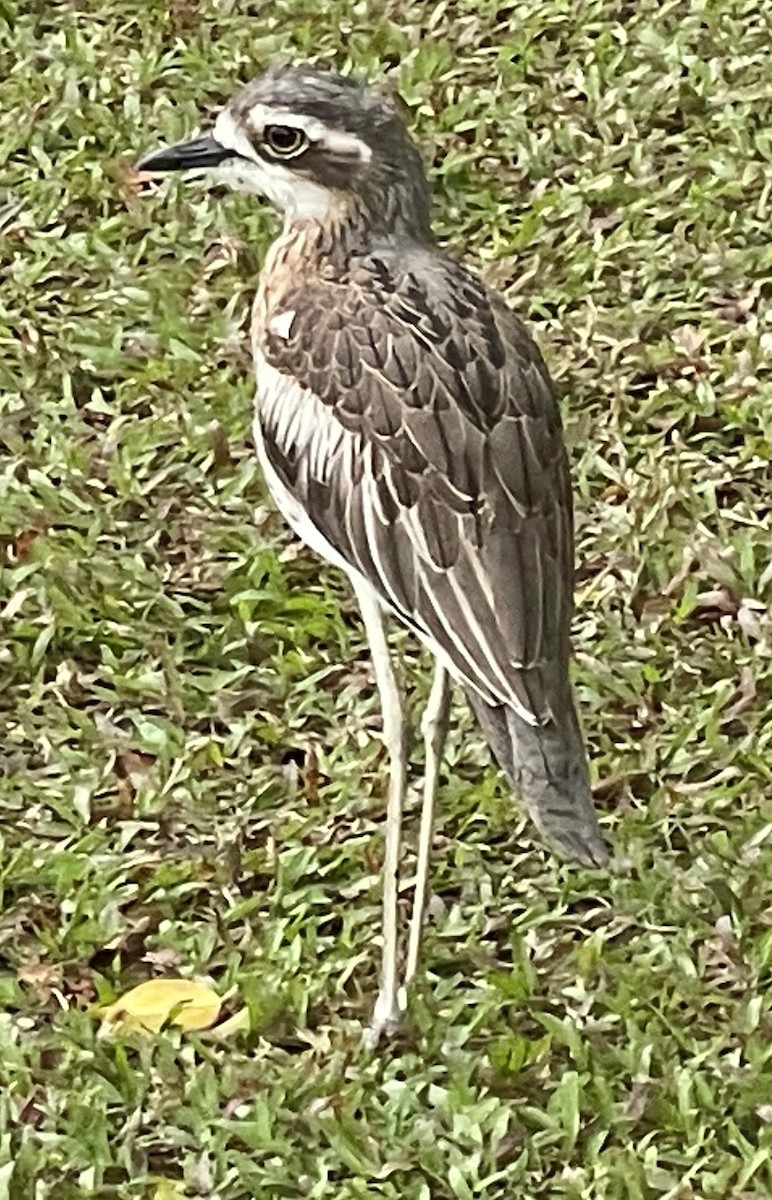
[192, 155]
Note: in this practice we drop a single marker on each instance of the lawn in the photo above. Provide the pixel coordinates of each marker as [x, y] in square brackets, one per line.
[191, 776]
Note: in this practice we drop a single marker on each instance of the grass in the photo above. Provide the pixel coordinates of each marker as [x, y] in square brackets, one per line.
[190, 771]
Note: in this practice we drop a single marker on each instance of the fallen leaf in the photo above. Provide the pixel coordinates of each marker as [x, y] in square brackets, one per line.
[150, 1005]
[133, 764]
[744, 696]
[634, 1106]
[223, 252]
[130, 180]
[42, 977]
[164, 958]
[749, 620]
[141, 345]
[29, 1112]
[22, 544]
[737, 308]
[716, 600]
[311, 776]
[689, 339]
[169, 1189]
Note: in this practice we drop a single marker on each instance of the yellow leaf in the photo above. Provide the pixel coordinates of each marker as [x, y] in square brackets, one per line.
[149, 1006]
[167, 1189]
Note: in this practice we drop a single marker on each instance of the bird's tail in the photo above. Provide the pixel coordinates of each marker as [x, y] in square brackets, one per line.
[547, 767]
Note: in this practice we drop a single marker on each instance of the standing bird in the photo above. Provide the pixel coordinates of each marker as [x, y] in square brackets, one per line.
[408, 431]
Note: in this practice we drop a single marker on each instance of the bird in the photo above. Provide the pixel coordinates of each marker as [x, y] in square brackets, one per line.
[409, 432]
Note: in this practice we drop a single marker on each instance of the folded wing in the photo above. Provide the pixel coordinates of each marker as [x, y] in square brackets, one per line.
[411, 417]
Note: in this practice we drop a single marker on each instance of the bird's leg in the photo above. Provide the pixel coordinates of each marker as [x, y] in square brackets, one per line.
[386, 1013]
[434, 727]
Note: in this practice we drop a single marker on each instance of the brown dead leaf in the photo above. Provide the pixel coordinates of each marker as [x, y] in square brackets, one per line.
[637, 1098]
[140, 345]
[28, 336]
[221, 448]
[723, 965]
[649, 607]
[131, 937]
[131, 180]
[23, 543]
[689, 563]
[29, 1113]
[79, 985]
[131, 768]
[310, 776]
[183, 14]
[715, 603]
[606, 222]
[126, 793]
[133, 763]
[41, 977]
[744, 696]
[221, 253]
[615, 790]
[163, 958]
[737, 308]
[750, 619]
[615, 493]
[690, 340]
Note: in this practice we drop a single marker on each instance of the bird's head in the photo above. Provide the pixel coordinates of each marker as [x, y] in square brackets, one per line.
[317, 145]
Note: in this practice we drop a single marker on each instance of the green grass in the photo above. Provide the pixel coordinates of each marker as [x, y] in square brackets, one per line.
[190, 772]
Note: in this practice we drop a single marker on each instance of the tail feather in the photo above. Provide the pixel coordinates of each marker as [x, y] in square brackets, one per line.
[547, 767]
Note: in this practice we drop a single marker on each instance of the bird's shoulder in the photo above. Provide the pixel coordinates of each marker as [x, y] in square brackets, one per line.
[406, 330]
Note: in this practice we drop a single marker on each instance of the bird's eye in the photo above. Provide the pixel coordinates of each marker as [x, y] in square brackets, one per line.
[284, 141]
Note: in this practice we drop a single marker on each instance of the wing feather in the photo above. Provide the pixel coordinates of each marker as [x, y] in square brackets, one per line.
[424, 444]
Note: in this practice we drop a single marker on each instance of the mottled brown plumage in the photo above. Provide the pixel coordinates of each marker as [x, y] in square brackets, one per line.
[446, 484]
[458, 443]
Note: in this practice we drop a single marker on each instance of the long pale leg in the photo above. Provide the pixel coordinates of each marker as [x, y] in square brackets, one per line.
[386, 1013]
[434, 727]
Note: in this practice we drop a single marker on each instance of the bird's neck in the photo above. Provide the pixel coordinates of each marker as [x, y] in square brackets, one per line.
[324, 243]
[348, 229]
[328, 247]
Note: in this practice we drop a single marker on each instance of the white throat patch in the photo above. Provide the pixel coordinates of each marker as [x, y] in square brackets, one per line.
[298, 198]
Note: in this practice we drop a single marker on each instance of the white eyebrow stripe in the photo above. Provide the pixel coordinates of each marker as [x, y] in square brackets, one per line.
[260, 115]
[347, 144]
[315, 130]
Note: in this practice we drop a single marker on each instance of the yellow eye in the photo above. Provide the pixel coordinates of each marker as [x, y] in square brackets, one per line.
[284, 141]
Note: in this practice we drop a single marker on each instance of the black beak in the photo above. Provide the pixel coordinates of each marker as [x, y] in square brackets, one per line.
[186, 156]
